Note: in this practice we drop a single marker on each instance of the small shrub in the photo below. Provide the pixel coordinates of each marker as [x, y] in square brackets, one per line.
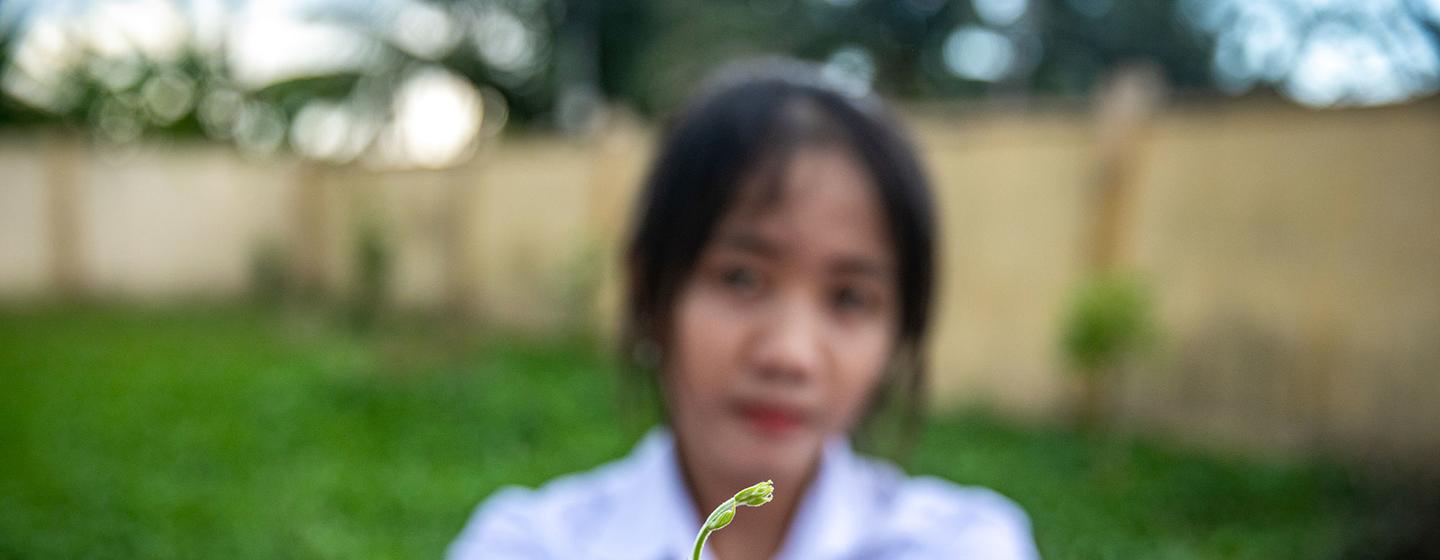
[1109, 321]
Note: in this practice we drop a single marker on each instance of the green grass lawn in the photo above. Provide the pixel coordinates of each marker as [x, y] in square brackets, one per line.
[250, 434]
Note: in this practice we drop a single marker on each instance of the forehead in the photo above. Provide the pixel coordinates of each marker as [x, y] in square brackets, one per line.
[818, 200]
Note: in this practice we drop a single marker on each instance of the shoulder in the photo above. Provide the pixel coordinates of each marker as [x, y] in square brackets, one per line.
[928, 517]
[517, 522]
[966, 520]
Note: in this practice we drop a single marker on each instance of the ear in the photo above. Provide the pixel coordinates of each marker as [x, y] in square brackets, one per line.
[646, 353]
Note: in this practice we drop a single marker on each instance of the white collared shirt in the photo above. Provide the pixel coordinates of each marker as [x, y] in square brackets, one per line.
[637, 508]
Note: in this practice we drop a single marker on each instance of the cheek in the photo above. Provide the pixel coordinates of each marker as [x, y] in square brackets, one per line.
[703, 349]
[861, 364]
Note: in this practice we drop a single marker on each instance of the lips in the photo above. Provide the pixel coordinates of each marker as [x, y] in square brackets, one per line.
[771, 420]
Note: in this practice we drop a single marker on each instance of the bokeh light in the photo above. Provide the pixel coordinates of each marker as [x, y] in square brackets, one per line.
[1000, 13]
[978, 53]
[1321, 53]
[436, 118]
[851, 68]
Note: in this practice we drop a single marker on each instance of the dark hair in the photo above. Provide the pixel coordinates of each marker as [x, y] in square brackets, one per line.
[748, 121]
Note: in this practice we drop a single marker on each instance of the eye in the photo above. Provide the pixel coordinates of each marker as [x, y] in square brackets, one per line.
[852, 299]
[741, 279]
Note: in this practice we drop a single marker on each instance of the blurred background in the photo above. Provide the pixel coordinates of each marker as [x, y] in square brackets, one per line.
[311, 278]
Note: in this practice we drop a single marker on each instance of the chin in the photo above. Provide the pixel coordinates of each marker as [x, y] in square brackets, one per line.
[770, 457]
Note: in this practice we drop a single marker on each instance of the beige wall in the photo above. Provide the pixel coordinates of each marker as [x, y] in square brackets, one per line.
[1294, 253]
[1012, 192]
[1298, 261]
[162, 221]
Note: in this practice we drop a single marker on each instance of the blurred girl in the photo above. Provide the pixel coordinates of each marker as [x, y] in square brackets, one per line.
[780, 277]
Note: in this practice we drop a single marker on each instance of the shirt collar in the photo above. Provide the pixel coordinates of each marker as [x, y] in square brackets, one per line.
[829, 519]
[655, 517]
[654, 512]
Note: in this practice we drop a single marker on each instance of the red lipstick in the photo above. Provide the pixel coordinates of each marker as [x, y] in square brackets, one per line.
[771, 421]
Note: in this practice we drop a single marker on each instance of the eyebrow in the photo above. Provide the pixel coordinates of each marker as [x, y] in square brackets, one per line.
[848, 265]
[749, 243]
[860, 266]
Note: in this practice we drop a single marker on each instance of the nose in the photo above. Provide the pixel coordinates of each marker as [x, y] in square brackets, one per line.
[790, 347]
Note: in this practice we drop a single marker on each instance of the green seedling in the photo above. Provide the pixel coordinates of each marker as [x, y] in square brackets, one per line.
[754, 496]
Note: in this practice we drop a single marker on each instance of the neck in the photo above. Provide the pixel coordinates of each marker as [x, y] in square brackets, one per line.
[755, 532]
